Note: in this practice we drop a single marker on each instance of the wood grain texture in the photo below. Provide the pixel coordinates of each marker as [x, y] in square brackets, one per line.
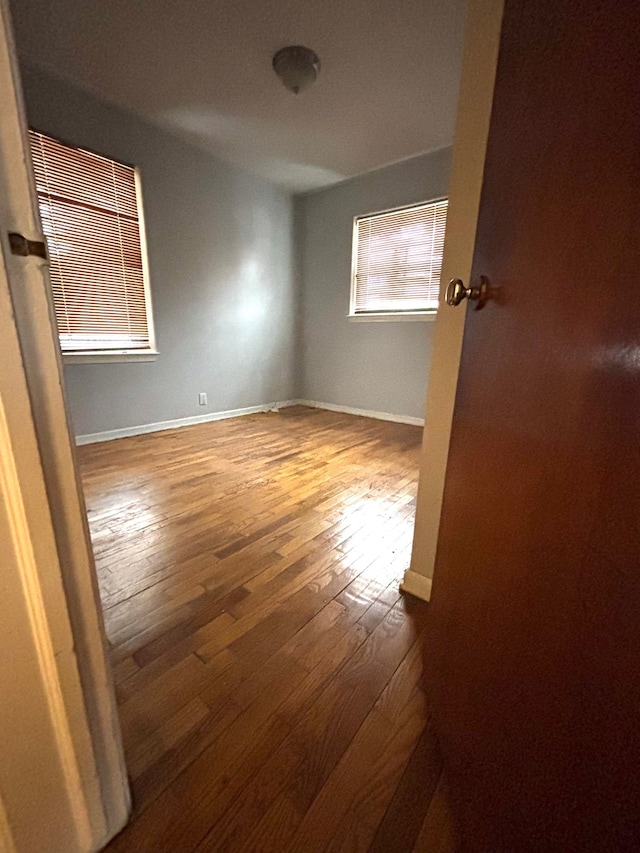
[267, 668]
[534, 655]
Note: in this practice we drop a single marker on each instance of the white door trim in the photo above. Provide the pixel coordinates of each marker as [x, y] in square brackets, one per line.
[482, 38]
[93, 726]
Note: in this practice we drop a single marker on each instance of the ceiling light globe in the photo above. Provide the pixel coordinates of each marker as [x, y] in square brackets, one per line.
[297, 67]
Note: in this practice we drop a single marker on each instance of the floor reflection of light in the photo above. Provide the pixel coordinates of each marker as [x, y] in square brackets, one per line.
[143, 520]
[122, 513]
[374, 530]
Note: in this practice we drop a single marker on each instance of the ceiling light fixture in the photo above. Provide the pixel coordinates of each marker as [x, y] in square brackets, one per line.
[297, 67]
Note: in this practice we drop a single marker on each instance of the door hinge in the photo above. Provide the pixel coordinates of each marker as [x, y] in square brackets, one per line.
[21, 246]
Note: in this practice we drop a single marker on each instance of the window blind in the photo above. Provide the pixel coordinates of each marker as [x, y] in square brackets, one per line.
[398, 260]
[89, 211]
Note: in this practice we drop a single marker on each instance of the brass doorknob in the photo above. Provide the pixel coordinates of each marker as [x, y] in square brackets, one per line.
[456, 292]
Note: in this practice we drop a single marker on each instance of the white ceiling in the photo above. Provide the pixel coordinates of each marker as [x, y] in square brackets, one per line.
[202, 68]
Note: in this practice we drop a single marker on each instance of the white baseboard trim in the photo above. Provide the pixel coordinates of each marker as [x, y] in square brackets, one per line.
[111, 434]
[364, 413]
[143, 429]
[415, 584]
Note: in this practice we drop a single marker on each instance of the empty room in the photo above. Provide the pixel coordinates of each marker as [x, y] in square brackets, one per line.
[318, 483]
[245, 279]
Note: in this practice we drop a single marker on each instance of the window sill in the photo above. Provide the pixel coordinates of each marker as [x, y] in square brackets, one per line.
[105, 357]
[409, 316]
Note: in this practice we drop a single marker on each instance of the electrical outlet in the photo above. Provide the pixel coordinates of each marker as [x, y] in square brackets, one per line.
[202, 398]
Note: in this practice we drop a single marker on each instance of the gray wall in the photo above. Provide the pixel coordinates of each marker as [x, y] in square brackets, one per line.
[378, 366]
[223, 287]
[249, 305]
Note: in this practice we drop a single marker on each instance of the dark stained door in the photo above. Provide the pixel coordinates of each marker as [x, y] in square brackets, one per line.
[534, 652]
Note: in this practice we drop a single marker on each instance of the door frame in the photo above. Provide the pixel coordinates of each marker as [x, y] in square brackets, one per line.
[96, 725]
[107, 803]
[482, 39]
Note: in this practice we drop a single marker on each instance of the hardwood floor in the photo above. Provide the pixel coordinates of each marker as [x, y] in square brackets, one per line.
[267, 667]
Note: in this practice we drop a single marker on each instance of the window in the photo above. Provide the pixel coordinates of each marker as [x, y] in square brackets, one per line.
[92, 219]
[397, 260]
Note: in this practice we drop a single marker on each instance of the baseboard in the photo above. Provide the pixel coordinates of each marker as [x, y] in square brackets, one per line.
[363, 413]
[143, 429]
[415, 584]
[110, 435]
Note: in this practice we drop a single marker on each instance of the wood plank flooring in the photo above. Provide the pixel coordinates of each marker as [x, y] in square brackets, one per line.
[267, 668]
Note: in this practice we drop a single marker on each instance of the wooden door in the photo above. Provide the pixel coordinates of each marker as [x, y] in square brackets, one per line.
[534, 650]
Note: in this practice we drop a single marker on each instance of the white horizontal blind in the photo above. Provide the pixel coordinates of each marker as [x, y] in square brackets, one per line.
[89, 210]
[398, 260]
